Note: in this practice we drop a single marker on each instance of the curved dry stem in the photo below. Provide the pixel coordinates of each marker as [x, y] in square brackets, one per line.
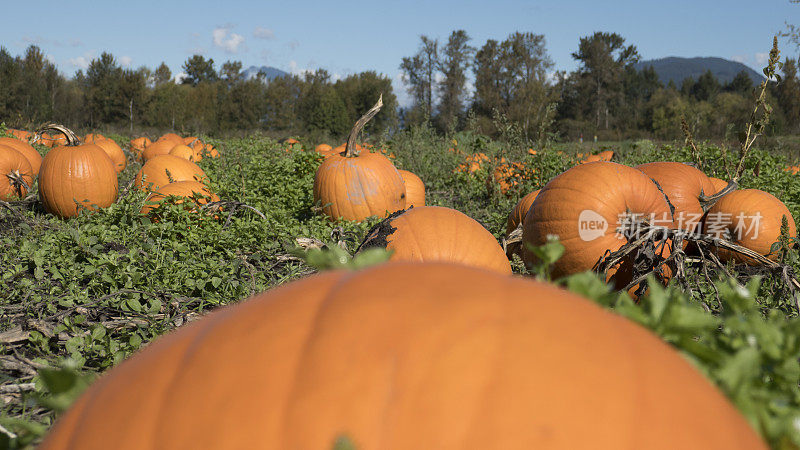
[351, 138]
[72, 138]
[706, 202]
[18, 182]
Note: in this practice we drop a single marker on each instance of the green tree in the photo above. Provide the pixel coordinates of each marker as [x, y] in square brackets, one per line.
[360, 91]
[199, 70]
[104, 100]
[603, 58]
[162, 75]
[639, 87]
[788, 94]
[281, 98]
[511, 80]
[419, 73]
[231, 71]
[321, 107]
[741, 83]
[706, 87]
[455, 59]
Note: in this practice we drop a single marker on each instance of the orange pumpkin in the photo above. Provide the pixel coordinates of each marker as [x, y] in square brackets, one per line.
[354, 187]
[111, 148]
[140, 143]
[685, 186]
[436, 233]
[415, 189]
[186, 152]
[160, 147]
[591, 208]
[210, 151]
[76, 175]
[16, 174]
[165, 169]
[517, 215]
[406, 356]
[718, 184]
[27, 150]
[187, 189]
[509, 174]
[171, 137]
[750, 218]
[22, 135]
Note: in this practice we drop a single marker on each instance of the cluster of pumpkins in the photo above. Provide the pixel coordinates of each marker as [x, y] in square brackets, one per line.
[509, 174]
[422, 352]
[81, 173]
[587, 204]
[170, 169]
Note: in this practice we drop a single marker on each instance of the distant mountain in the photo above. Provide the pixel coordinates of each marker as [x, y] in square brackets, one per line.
[271, 72]
[677, 69]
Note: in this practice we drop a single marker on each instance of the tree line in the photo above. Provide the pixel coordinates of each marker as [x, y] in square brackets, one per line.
[515, 87]
[501, 87]
[207, 100]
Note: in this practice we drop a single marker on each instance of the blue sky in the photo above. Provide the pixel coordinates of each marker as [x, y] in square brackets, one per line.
[347, 37]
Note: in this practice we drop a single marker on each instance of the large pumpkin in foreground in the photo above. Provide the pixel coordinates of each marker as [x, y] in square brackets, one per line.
[406, 356]
[591, 208]
[436, 233]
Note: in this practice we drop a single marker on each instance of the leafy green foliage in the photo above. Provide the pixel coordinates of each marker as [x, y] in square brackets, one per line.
[78, 296]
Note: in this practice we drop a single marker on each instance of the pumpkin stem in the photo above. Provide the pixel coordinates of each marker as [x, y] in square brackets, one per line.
[72, 139]
[18, 182]
[708, 201]
[351, 138]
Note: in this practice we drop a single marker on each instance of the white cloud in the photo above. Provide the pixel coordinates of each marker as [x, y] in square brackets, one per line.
[125, 61]
[263, 33]
[295, 69]
[80, 62]
[180, 76]
[224, 39]
[740, 58]
[762, 58]
[34, 40]
[50, 58]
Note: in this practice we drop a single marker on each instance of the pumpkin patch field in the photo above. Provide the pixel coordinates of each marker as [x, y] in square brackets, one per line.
[300, 293]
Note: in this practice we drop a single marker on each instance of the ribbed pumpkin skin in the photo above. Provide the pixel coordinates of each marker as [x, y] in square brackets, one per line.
[415, 189]
[718, 184]
[748, 203]
[181, 189]
[517, 215]
[140, 143]
[111, 148]
[406, 356]
[153, 173]
[171, 137]
[82, 173]
[610, 190]
[14, 163]
[186, 152]
[27, 150]
[358, 187]
[158, 148]
[683, 185]
[436, 233]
